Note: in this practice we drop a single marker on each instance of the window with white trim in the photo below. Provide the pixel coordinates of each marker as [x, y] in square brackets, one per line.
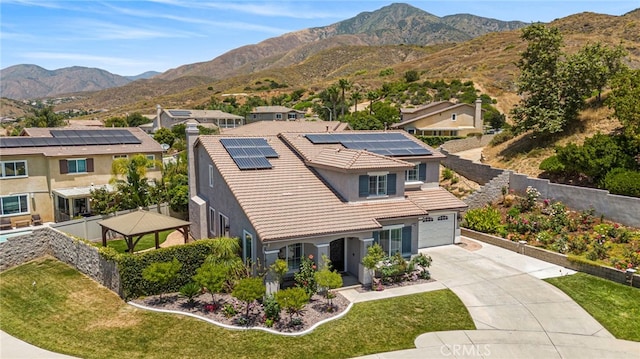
[378, 185]
[77, 165]
[17, 204]
[14, 169]
[211, 176]
[291, 116]
[391, 240]
[292, 254]
[152, 161]
[247, 246]
[454, 117]
[411, 175]
[212, 222]
[223, 225]
[278, 116]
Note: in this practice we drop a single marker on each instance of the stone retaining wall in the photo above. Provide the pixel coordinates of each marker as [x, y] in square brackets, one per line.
[467, 143]
[560, 259]
[76, 253]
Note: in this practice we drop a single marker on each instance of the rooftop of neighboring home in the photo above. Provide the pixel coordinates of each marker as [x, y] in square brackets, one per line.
[266, 128]
[72, 141]
[274, 109]
[288, 192]
[181, 114]
[431, 109]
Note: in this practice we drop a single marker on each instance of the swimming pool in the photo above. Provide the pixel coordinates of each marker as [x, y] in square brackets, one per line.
[5, 236]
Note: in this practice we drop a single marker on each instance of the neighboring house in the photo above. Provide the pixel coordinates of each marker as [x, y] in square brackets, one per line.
[51, 171]
[333, 193]
[84, 123]
[274, 128]
[274, 113]
[442, 118]
[171, 117]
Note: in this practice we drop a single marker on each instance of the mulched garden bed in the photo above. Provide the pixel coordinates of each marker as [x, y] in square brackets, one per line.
[315, 311]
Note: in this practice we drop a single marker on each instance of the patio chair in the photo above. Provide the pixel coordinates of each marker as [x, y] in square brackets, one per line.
[36, 220]
[5, 223]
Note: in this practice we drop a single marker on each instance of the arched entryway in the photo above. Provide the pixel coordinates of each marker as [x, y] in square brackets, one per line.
[337, 254]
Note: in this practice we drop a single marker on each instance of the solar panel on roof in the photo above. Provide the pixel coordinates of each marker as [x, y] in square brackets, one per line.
[388, 143]
[179, 113]
[73, 138]
[249, 153]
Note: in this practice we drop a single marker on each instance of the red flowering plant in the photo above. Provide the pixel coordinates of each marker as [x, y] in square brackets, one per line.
[305, 277]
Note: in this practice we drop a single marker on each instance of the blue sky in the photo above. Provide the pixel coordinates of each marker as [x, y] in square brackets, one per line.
[131, 37]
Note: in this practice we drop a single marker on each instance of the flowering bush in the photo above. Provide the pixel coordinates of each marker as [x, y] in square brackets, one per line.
[305, 277]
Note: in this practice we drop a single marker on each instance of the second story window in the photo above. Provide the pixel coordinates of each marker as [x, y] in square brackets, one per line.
[411, 175]
[76, 165]
[13, 169]
[377, 185]
[152, 161]
[211, 176]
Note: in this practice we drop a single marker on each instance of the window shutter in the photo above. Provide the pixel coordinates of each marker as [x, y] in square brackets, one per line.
[364, 186]
[376, 237]
[89, 164]
[391, 184]
[64, 167]
[406, 241]
[422, 172]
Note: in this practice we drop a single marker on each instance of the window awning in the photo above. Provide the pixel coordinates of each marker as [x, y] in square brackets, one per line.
[79, 192]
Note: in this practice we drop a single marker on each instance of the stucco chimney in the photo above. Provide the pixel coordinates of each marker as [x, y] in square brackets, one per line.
[477, 120]
[157, 123]
[192, 134]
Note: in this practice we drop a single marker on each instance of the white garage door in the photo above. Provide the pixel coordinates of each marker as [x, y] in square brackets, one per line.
[436, 230]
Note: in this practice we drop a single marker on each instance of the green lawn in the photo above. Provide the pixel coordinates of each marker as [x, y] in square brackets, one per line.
[615, 306]
[146, 242]
[69, 313]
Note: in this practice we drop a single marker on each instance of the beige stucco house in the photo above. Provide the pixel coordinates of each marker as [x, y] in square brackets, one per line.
[274, 113]
[51, 171]
[207, 118]
[295, 189]
[442, 118]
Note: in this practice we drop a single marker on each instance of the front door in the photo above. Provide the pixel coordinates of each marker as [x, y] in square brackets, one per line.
[336, 254]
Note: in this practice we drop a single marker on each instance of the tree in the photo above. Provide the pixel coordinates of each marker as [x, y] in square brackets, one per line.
[135, 184]
[212, 277]
[344, 85]
[164, 136]
[225, 251]
[330, 98]
[328, 279]
[104, 201]
[115, 122]
[624, 100]
[600, 65]
[280, 267]
[374, 255]
[372, 96]
[411, 76]
[292, 300]
[248, 290]
[540, 82]
[44, 117]
[136, 119]
[363, 121]
[386, 112]
[355, 97]
[162, 273]
[176, 183]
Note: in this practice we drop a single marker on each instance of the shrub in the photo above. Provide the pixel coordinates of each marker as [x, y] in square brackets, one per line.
[374, 255]
[271, 308]
[501, 137]
[248, 290]
[623, 182]
[162, 272]
[305, 277]
[292, 300]
[189, 291]
[229, 310]
[212, 277]
[447, 174]
[552, 165]
[436, 141]
[486, 220]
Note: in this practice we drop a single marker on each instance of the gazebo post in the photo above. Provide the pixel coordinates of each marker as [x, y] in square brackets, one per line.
[157, 240]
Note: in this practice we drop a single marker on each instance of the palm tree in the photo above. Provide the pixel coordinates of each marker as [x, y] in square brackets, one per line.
[330, 98]
[135, 184]
[355, 97]
[344, 85]
[372, 96]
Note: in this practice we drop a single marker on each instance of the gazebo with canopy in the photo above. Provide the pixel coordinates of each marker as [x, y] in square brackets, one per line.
[139, 223]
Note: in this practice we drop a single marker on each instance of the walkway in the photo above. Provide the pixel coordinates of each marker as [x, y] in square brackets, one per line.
[516, 314]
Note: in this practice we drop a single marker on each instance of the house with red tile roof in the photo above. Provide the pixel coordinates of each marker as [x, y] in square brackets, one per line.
[289, 193]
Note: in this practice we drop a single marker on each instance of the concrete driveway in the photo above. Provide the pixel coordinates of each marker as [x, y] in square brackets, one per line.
[516, 313]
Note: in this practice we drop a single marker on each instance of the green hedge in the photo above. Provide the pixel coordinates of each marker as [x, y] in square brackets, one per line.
[191, 256]
[623, 182]
[435, 141]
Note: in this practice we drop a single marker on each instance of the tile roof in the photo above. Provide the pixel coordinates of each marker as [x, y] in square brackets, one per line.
[429, 114]
[147, 144]
[273, 109]
[356, 159]
[215, 114]
[421, 108]
[278, 200]
[272, 128]
[434, 199]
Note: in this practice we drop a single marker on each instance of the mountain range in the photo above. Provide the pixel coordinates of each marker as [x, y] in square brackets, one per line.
[391, 25]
